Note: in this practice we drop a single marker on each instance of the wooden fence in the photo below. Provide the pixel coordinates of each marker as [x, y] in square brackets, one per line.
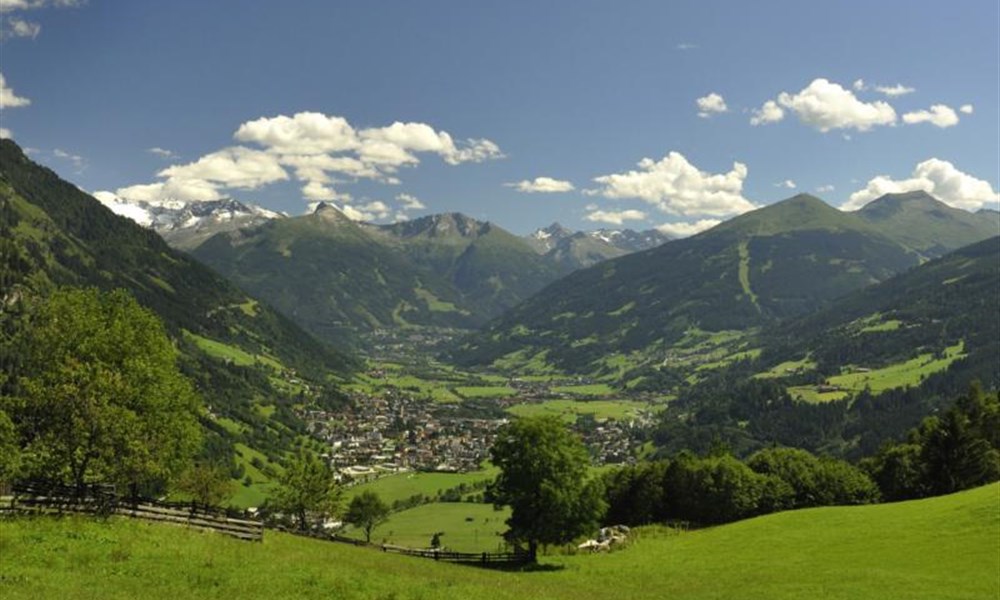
[479, 558]
[36, 497]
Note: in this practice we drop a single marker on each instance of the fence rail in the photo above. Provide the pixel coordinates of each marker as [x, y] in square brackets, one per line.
[482, 558]
[35, 497]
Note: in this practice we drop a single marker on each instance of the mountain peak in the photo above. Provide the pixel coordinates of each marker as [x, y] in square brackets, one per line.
[802, 211]
[889, 204]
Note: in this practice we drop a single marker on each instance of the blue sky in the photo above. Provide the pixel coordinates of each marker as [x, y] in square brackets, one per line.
[286, 104]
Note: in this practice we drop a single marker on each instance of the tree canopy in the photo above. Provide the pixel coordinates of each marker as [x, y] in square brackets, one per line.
[98, 395]
[308, 490]
[367, 511]
[543, 478]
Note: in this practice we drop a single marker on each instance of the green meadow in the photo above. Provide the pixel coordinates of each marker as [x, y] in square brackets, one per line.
[467, 527]
[569, 410]
[401, 486]
[936, 549]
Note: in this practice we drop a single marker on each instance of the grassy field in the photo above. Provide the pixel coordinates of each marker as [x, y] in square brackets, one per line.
[485, 391]
[467, 527]
[593, 389]
[941, 549]
[569, 410]
[404, 485]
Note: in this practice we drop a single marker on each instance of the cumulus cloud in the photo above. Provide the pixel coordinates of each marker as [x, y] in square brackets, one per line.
[825, 105]
[542, 185]
[859, 85]
[937, 177]
[966, 109]
[235, 167]
[5, 133]
[302, 133]
[894, 90]
[316, 147]
[615, 217]
[675, 186]
[681, 229]
[769, 112]
[939, 115]
[788, 184]
[409, 202]
[710, 105]
[8, 99]
[825, 188]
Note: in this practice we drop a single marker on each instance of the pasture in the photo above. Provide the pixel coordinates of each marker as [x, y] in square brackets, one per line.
[467, 527]
[935, 549]
[569, 410]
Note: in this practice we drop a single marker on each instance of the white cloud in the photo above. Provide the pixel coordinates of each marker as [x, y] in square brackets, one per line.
[939, 115]
[314, 146]
[966, 109]
[236, 167]
[13, 5]
[825, 188]
[161, 152]
[675, 186]
[937, 177]
[687, 46]
[825, 105]
[8, 99]
[710, 105]
[788, 184]
[542, 185]
[5, 134]
[410, 202]
[859, 85]
[894, 90]
[615, 217]
[77, 161]
[302, 133]
[770, 112]
[392, 145]
[19, 28]
[679, 230]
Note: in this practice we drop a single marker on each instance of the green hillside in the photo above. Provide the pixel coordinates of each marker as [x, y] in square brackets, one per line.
[241, 354]
[948, 301]
[923, 223]
[332, 277]
[784, 260]
[940, 548]
[338, 278]
[490, 267]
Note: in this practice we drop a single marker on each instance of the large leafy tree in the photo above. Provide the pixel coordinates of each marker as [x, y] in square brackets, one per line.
[367, 511]
[308, 490]
[543, 478]
[98, 395]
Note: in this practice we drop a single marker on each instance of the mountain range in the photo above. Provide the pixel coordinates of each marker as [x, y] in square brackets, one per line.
[785, 260]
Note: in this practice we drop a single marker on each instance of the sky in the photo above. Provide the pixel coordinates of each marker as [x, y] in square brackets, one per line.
[632, 114]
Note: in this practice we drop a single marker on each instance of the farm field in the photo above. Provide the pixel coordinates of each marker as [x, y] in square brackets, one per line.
[569, 410]
[941, 548]
[401, 486]
[467, 527]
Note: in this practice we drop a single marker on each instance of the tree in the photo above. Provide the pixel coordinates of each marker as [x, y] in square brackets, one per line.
[208, 484]
[10, 451]
[308, 489]
[543, 478]
[98, 395]
[367, 511]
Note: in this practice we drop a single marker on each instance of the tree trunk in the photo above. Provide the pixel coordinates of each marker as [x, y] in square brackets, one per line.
[533, 551]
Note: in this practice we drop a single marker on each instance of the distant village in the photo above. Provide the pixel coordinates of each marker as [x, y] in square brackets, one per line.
[396, 431]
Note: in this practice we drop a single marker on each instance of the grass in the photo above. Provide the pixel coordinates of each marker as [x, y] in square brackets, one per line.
[404, 485]
[238, 356]
[485, 391]
[941, 549]
[467, 527]
[569, 410]
[593, 389]
[900, 374]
